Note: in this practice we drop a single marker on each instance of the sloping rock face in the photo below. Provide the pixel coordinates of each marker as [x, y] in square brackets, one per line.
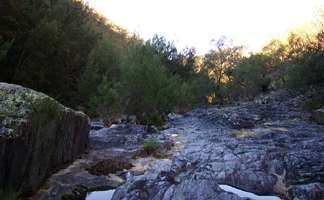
[38, 136]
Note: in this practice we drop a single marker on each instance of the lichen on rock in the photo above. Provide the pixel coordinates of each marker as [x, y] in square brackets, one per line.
[38, 135]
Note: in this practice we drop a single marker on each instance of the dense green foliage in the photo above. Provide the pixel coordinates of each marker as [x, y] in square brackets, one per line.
[249, 77]
[295, 64]
[66, 50]
[147, 83]
[46, 44]
[148, 89]
[306, 65]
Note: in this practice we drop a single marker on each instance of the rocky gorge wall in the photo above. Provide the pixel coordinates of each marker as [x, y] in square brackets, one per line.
[38, 136]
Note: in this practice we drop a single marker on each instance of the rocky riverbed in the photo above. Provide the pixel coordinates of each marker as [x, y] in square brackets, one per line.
[113, 154]
[268, 147]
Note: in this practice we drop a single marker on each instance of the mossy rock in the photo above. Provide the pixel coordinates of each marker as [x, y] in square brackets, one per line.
[38, 135]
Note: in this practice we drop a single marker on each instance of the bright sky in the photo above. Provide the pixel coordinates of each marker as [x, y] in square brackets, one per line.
[194, 23]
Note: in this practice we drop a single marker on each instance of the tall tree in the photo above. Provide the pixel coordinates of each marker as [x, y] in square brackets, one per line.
[219, 63]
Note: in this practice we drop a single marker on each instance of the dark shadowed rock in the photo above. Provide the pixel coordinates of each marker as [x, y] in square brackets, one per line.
[318, 116]
[109, 166]
[38, 135]
[97, 125]
[121, 135]
[112, 151]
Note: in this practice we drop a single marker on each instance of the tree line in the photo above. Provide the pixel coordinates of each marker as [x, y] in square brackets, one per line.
[292, 64]
[68, 51]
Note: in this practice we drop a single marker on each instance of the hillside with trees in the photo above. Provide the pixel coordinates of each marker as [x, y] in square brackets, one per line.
[90, 110]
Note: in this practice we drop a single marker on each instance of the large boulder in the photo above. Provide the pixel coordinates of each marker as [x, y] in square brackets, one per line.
[38, 136]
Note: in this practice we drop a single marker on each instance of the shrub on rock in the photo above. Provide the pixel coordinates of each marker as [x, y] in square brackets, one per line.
[150, 146]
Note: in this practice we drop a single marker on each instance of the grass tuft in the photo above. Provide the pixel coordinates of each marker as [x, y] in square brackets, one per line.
[150, 146]
[242, 133]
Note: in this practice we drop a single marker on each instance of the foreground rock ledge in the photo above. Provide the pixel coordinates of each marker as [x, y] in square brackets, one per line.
[38, 136]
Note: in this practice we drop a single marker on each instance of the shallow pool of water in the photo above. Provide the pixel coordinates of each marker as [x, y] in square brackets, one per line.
[100, 195]
[250, 195]
[107, 195]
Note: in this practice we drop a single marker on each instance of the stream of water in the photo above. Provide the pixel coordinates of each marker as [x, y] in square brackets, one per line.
[250, 195]
[100, 195]
[107, 195]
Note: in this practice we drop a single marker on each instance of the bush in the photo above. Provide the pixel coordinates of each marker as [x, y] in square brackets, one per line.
[106, 102]
[96, 86]
[201, 87]
[307, 70]
[150, 146]
[248, 78]
[147, 89]
[305, 63]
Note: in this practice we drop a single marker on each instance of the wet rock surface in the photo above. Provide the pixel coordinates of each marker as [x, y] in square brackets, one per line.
[97, 125]
[268, 147]
[109, 166]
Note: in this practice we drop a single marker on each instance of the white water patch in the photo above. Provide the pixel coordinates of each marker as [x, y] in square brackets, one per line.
[100, 195]
[250, 195]
[114, 126]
